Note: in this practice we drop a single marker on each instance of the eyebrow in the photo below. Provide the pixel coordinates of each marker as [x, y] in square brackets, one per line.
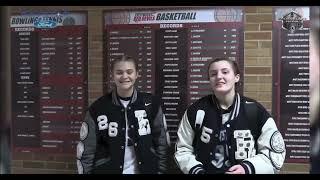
[213, 70]
[120, 70]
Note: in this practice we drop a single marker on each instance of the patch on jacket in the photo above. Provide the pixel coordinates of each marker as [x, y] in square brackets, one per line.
[277, 143]
[245, 144]
[144, 125]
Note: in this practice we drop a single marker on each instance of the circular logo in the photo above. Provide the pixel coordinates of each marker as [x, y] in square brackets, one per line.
[277, 159]
[277, 143]
[83, 131]
[221, 15]
[227, 15]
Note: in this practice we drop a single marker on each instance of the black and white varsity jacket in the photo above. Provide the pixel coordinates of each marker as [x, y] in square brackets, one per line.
[102, 136]
[255, 144]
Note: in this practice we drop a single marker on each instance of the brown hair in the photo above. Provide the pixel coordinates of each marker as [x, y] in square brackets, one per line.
[126, 59]
[233, 63]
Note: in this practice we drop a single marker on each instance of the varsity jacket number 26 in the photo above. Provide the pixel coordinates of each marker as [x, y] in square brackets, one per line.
[102, 136]
[255, 144]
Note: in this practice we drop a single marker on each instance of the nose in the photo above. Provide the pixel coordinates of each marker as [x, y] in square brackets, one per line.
[124, 75]
[219, 75]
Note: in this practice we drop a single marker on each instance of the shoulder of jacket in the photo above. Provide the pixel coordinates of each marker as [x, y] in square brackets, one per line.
[247, 99]
[144, 95]
[250, 101]
[148, 97]
[201, 103]
[101, 101]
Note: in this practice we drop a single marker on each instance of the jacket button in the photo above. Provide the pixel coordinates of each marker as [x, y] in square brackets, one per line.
[139, 162]
[122, 110]
[229, 147]
[129, 107]
[132, 126]
[120, 167]
[123, 129]
[216, 135]
[228, 125]
[122, 147]
[135, 144]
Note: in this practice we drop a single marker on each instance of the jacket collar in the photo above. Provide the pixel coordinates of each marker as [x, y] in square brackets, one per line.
[116, 101]
[235, 106]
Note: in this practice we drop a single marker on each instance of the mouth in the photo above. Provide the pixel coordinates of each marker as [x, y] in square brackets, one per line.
[125, 82]
[220, 83]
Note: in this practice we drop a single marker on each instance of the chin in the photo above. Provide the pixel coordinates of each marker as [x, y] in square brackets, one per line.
[125, 87]
[221, 91]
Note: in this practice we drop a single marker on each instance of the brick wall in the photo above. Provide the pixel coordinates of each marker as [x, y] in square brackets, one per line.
[258, 54]
[257, 78]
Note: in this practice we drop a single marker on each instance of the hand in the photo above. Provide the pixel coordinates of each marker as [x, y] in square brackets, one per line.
[236, 169]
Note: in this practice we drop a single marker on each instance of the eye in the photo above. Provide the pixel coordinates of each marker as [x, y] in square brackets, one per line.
[119, 72]
[212, 74]
[225, 72]
[130, 71]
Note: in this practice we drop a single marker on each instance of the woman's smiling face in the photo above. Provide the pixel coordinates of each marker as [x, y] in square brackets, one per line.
[222, 77]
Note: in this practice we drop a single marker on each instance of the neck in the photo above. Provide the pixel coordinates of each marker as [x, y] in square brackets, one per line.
[226, 100]
[126, 93]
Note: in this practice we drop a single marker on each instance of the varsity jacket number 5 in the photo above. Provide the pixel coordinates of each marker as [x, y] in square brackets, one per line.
[255, 144]
[102, 136]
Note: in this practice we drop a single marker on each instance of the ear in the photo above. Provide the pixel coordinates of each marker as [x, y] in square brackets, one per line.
[237, 77]
[112, 76]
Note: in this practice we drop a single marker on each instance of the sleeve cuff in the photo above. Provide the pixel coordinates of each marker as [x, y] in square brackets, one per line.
[198, 169]
[248, 167]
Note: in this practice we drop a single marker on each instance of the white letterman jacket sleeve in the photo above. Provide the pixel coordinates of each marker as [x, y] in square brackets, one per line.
[86, 148]
[184, 152]
[271, 151]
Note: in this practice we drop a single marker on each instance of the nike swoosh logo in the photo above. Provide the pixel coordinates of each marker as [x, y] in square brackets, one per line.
[147, 104]
[247, 102]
